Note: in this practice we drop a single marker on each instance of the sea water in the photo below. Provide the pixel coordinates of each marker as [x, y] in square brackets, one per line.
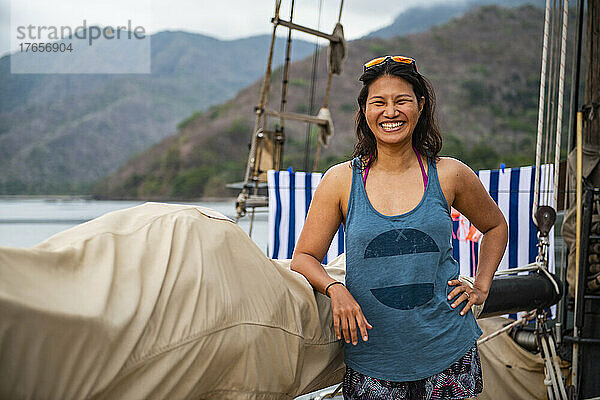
[25, 222]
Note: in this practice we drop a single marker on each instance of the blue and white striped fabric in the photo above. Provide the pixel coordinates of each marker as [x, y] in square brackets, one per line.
[512, 190]
[290, 194]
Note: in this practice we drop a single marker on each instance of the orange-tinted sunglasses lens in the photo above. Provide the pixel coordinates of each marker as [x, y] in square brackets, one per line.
[402, 59]
[375, 61]
[398, 59]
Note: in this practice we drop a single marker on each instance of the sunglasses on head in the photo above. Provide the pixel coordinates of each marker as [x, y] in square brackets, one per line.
[398, 59]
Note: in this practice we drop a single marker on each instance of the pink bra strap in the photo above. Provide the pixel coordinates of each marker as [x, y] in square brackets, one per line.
[367, 171]
[422, 168]
[420, 163]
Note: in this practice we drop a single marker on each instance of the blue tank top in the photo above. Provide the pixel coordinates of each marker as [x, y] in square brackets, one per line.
[397, 269]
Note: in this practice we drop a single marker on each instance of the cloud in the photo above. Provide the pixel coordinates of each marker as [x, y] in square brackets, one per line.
[4, 26]
[229, 19]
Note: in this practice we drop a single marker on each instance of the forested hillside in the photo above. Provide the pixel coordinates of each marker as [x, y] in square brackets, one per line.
[60, 133]
[484, 67]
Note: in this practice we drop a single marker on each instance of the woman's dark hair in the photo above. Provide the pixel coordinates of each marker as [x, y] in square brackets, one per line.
[426, 137]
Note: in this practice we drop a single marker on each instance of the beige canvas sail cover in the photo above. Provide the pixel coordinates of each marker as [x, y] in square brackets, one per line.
[160, 302]
[176, 302]
[509, 371]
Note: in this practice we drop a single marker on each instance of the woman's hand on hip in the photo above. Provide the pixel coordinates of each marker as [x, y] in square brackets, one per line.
[347, 314]
[473, 295]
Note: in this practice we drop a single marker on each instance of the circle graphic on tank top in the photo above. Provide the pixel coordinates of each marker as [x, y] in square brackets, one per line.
[415, 274]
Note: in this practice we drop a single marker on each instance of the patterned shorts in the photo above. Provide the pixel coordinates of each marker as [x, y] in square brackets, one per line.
[462, 380]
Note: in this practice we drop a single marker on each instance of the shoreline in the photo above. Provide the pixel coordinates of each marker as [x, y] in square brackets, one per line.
[67, 197]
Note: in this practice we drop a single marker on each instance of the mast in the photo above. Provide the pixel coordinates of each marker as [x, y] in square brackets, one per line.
[266, 148]
[591, 137]
[586, 332]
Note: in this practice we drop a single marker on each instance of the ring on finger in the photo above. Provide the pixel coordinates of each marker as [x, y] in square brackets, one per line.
[468, 295]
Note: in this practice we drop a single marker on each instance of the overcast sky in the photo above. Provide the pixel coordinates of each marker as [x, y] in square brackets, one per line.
[224, 19]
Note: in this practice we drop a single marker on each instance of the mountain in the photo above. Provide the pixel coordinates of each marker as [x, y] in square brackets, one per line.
[484, 67]
[59, 133]
[423, 17]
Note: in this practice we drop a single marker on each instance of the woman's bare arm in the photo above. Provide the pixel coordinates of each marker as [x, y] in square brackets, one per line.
[322, 222]
[474, 202]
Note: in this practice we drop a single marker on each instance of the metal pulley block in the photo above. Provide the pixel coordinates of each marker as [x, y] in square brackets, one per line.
[545, 216]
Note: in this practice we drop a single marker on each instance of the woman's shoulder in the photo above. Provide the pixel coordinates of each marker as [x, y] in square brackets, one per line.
[335, 184]
[454, 174]
[337, 178]
[339, 173]
[452, 167]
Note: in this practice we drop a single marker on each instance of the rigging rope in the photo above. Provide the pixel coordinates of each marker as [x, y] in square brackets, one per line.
[326, 102]
[313, 82]
[550, 102]
[286, 67]
[524, 318]
[264, 94]
[538, 152]
[337, 52]
[554, 116]
[573, 100]
[548, 126]
[336, 55]
[561, 85]
[277, 148]
[572, 107]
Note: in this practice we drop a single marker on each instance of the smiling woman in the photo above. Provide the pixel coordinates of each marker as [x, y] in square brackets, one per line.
[408, 92]
[402, 295]
[392, 112]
